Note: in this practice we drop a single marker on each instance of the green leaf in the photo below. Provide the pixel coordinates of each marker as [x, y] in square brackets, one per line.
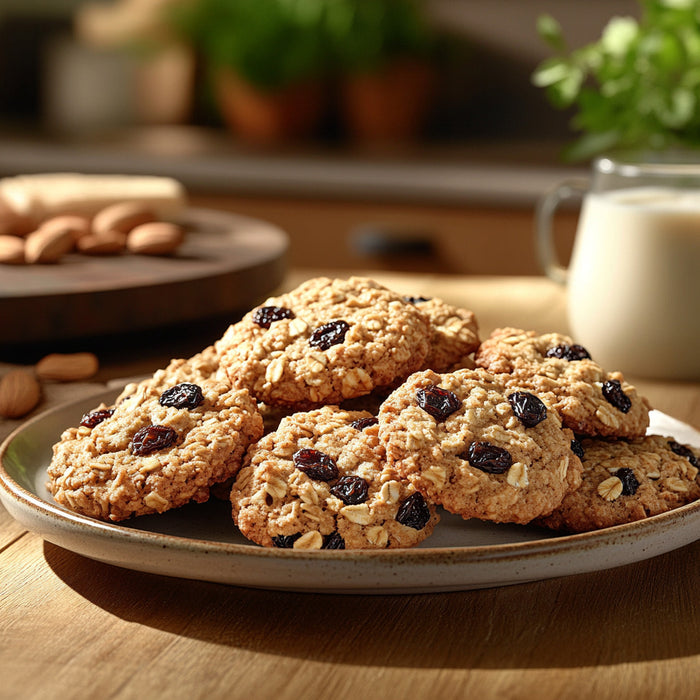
[662, 51]
[590, 145]
[616, 87]
[619, 35]
[567, 90]
[550, 32]
[678, 4]
[690, 41]
[676, 111]
[551, 71]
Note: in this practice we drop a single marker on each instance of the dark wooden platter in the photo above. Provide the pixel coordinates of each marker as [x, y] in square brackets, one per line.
[226, 265]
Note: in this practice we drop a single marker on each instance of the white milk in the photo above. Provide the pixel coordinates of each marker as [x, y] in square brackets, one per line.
[634, 281]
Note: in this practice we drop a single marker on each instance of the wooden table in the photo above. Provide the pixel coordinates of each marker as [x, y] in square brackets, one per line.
[74, 628]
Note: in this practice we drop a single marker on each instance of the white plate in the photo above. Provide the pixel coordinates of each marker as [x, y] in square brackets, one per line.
[201, 542]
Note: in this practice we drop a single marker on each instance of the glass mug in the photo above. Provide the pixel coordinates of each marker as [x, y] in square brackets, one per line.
[633, 281]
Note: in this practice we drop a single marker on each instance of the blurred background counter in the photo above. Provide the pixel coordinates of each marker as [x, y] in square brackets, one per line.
[79, 92]
[461, 210]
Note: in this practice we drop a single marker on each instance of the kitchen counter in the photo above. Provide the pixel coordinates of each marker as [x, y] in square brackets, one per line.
[211, 161]
[74, 627]
[464, 208]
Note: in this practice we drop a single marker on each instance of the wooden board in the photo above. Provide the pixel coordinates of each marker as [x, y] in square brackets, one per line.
[226, 265]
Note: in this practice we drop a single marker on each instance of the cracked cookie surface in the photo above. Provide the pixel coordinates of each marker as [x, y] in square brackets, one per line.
[198, 368]
[590, 400]
[624, 481]
[454, 333]
[163, 445]
[324, 342]
[478, 448]
[320, 482]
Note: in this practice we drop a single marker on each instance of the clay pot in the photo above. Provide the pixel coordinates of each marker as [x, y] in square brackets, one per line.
[390, 104]
[268, 117]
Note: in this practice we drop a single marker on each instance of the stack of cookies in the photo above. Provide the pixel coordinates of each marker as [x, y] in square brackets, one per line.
[343, 415]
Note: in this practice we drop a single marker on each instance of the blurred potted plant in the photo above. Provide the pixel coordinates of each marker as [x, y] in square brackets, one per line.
[636, 87]
[272, 62]
[385, 55]
[266, 60]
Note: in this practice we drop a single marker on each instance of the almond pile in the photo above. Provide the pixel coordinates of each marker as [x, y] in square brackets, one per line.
[20, 389]
[122, 227]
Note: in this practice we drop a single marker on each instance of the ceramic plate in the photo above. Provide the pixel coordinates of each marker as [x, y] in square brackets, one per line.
[201, 542]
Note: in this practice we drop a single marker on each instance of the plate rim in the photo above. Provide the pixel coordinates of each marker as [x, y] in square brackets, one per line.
[23, 498]
[222, 217]
[227, 263]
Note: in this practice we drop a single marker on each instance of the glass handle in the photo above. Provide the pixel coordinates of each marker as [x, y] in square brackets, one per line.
[544, 216]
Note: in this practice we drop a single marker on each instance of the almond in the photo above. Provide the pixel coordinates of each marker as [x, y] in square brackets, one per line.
[13, 223]
[19, 393]
[48, 245]
[78, 226]
[155, 238]
[69, 367]
[122, 217]
[11, 250]
[108, 243]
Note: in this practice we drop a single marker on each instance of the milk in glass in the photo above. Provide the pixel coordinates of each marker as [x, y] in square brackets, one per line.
[634, 280]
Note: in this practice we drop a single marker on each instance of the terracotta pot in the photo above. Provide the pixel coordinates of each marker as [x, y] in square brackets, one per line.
[390, 104]
[266, 117]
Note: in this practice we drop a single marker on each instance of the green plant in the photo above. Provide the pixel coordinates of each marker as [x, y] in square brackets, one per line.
[364, 34]
[270, 43]
[275, 43]
[637, 86]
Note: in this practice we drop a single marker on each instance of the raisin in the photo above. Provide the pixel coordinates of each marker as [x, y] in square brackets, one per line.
[629, 481]
[416, 300]
[333, 541]
[612, 391]
[285, 541]
[571, 353]
[683, 451]
[351, 490]
[182, 396]
[577, 449]
[414, 512]
[151, 439]
[315, 464]
[90, 420]
[329, 334]
[489, 458]
[362, 423]
[438, 402]
[528, 409]
[265, 316]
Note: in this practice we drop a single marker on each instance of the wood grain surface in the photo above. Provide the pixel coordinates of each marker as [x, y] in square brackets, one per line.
[226, 263]
[75, 628]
